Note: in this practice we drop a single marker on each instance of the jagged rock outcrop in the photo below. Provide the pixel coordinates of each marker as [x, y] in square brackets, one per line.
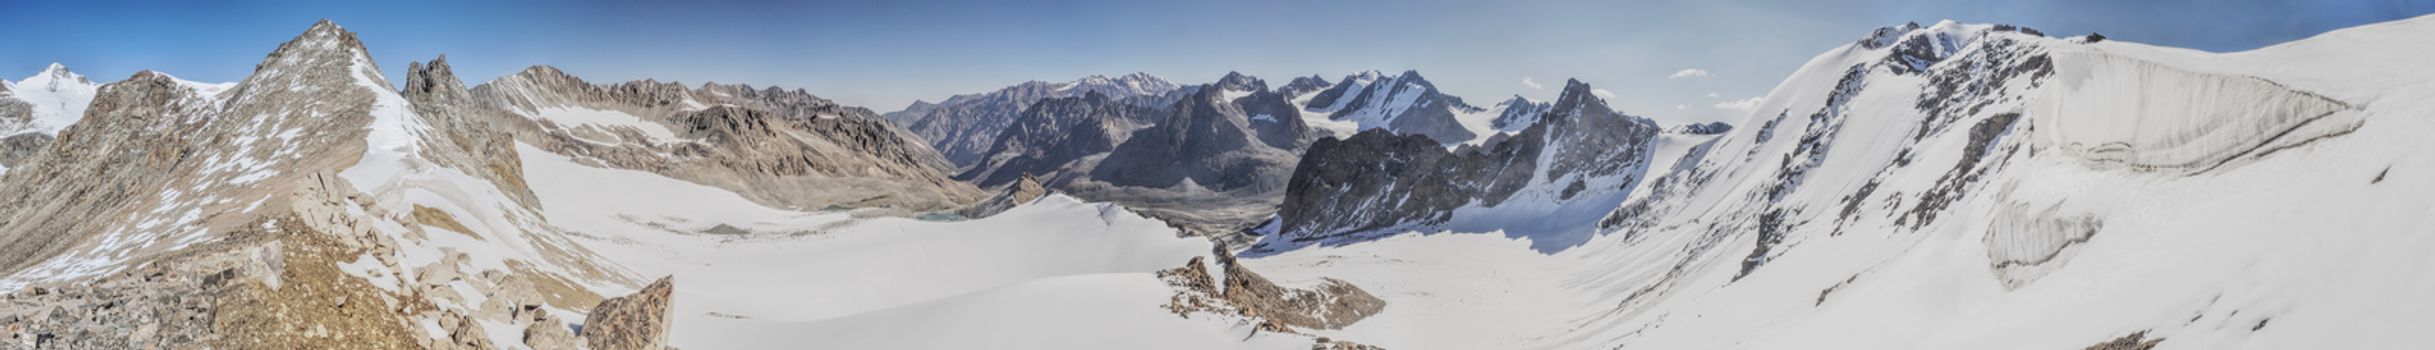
[781, 147]
[435, 92]
[633, 322]
[1332, 304]
[14, 149]
[965, 127]
[1023, 190]
[1378, 180]
[2134, 341]
[1708, 128]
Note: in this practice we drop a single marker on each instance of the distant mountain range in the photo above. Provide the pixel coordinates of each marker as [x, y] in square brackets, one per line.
[1924, 186]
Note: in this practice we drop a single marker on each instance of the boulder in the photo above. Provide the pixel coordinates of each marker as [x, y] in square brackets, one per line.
[636, 321]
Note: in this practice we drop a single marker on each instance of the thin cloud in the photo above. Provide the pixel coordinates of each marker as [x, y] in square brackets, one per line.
[1689, 73]
[1712, 95]
[1533, 84]
[1602, 93]
[1745, 105]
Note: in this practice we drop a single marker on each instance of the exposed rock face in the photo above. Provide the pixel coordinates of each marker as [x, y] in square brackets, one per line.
[1023, 190]
[46, 212]
[965, 127]
[1520, 112]
[279, 211]
[1055, 134]
[917, 109]
[1209, 141]
[1708, 128]
[1333, 304]
[2134, 341]
[633, 322]
[547, 331]
[434, 91]
[1378, 180]
[781, 147]
[1332, 344]
[1212, 164]
[1213, 161]
[1405, 104]
[14, 149]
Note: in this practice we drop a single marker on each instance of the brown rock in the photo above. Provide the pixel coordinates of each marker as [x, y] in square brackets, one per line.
[633, 322]
[548, 333]
[1332, 305]
[2134, 341]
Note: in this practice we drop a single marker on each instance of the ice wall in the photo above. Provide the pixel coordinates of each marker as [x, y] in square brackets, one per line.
[2110, 109]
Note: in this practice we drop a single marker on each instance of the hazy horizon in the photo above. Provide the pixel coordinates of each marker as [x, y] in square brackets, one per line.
[1675, 61]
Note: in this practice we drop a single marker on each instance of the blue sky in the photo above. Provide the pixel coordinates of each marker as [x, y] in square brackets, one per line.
[884, 54]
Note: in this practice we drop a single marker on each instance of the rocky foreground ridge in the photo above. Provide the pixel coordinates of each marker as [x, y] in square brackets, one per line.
[313, 206]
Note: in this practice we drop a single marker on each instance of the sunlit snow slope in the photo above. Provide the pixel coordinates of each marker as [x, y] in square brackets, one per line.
[1983, 186]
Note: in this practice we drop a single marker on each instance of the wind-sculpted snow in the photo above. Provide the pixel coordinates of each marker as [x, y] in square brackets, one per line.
[2024, 242]
[2017, 191]
[2115, 110]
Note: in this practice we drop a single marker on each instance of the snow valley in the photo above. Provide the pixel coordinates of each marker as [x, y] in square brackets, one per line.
[1937, 186]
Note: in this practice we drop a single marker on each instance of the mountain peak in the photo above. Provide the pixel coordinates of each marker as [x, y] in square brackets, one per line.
[1949, 31]
[1236, 81]
[1306, 84]
[327, 34]
[542, 71]
[54, 74]
[1578, 96]
[1572, 87]
[1135, 84]
[325, 44]
[434, 79]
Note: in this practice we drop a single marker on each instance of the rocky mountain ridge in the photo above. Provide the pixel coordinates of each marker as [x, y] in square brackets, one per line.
[964, 127]
[777, 146]
[1381, 182]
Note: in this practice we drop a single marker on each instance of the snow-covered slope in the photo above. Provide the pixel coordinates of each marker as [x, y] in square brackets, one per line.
[1925, 187]
[1982, 186]
[754, 277]
[52, 100]
[33, 111]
